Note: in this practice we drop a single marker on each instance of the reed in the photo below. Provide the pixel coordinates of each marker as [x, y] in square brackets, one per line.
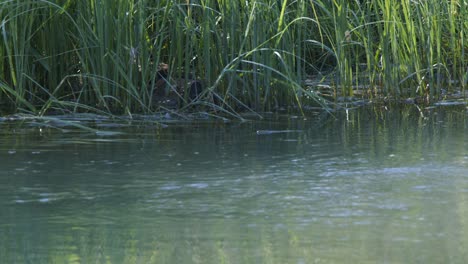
[248, 55]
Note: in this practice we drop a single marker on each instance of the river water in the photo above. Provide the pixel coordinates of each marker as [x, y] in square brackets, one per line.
[371, 185]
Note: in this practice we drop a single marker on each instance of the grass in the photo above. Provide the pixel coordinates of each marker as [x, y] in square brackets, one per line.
[95, 55]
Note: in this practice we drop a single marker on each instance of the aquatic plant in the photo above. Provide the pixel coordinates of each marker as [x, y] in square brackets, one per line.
[249, 55]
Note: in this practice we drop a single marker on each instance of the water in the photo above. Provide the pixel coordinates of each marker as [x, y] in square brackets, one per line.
[372, 186]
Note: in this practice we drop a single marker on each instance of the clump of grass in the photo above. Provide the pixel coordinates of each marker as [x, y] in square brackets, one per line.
[249, 55]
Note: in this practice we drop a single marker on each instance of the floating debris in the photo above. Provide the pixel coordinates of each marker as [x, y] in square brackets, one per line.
[450, 103]
[269, 132]
[108, 133]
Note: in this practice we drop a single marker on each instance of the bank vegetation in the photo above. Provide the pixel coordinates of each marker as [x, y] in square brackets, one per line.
[144, 56]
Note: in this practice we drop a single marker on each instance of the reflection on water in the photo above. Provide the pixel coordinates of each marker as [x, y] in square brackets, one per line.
[372, 187]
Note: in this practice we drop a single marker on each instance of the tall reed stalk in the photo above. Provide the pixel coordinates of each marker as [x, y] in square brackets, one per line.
[249, 55]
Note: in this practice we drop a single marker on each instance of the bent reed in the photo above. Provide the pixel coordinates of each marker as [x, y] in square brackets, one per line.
[256, 55]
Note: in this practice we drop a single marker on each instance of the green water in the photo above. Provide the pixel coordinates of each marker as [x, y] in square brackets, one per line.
[372, 186]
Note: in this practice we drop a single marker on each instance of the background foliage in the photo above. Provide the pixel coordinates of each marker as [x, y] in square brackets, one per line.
[102, 55]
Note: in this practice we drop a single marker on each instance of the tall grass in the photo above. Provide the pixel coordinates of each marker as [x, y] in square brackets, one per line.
[249, 55]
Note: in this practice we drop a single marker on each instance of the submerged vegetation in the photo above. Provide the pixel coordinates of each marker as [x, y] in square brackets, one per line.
[129, 56]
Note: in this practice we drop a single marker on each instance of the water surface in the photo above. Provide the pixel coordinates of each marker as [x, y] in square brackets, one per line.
[369, 186]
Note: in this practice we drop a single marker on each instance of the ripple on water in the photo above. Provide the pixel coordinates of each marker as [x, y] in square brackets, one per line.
[199, 185]
[170, 187]
[41, 197]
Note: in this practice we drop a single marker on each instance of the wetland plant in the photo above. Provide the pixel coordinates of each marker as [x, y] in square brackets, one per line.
[89, 55]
